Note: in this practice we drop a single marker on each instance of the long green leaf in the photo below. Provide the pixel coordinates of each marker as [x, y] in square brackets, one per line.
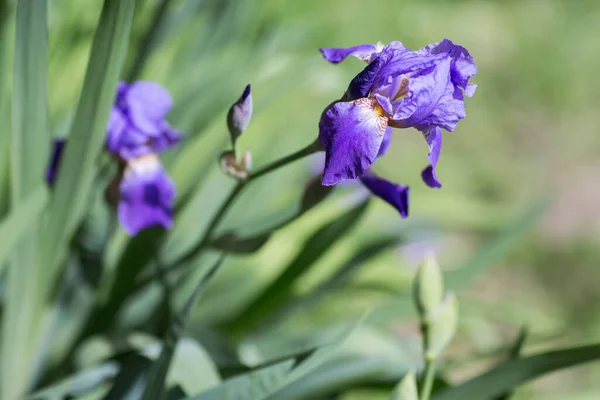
[267, 382]
[5, 14]
[14, 227]
[23, 317]
[88, 130]
[513, 373]
[314, 247]
[155, 386]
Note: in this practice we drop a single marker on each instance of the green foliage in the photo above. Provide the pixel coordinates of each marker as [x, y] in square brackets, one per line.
[88, 312]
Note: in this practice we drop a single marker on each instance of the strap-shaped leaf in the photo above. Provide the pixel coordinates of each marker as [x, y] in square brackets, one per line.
[513, 373]
[314, 247]
[28, 153]
[88, 131]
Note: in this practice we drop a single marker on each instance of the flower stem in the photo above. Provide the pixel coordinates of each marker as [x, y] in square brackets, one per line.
[220, 214]
[428, 380]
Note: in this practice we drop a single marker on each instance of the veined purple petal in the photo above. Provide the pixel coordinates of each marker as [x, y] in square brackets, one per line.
[433, 136]
[385, 143]
[351, 133]
[147, 104]
[426, 91]
[147, 195]
[337, 55]
[463, 66]
[393, 194]
[58, 146]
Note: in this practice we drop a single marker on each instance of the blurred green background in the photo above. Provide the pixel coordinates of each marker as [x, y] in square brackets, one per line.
[531, 134]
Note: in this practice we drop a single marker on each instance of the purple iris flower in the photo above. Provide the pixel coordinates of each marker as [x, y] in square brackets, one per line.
[136, 132]
[137, 124]
[400, 88]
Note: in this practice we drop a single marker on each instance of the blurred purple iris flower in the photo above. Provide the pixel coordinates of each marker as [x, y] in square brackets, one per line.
[136, 132]
[400, 88]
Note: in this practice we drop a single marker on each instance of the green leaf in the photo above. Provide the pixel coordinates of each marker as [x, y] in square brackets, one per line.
[510, 374]
[314, 193]
[88, 131]
[23, 316]
[254, 385]
[14, 227]
[266, 383]
[155, 384]
[230, 242]
[314, 247]
[407, 388]
[80, 383]
[515, 353]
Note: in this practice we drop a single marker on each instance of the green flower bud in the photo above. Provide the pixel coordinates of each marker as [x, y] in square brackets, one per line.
[442, 327]
[407, 388]
[428, 287]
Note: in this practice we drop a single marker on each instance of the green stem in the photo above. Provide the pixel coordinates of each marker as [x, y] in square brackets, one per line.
[428, 380]
[220, 214]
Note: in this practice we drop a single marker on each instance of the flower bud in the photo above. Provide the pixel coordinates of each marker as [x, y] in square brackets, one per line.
[428, 287]
[234, 168]
[442, 327]
[407, 388]
[239, 115]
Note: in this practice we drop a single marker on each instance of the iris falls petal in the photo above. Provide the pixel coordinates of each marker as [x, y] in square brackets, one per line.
[351, 133]
[146, 195]
[395, 195]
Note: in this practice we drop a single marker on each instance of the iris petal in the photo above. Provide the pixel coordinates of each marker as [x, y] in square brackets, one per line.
[351, 133]
[147, 103]
[433, 137]
[394, 194]
[385, 143]
[147, 195]
[337, 55]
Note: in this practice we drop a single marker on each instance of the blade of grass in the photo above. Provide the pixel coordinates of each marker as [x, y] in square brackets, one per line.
[23, 314]
[88, 131]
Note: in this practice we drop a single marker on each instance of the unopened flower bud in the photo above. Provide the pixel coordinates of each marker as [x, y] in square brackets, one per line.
[239, 115]
[442, 327]
[428, 287]
[407, 388]
[234, 168]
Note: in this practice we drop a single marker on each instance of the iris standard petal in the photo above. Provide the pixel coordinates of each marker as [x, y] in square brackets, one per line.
[147, 195]
[385, 143]
[351, 133]
[394, 194]
[463, 66]
[337, 55]
[147, 104]
[58, 146]
[362, 83]
[433, 136]
[425, 92]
